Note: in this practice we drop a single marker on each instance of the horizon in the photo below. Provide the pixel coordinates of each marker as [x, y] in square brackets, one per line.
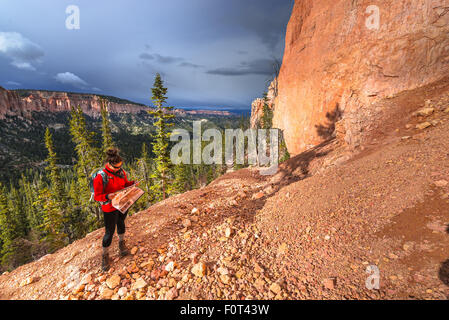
[187, 108]
[222, 60]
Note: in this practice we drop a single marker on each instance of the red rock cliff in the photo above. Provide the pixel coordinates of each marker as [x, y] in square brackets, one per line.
[42, 101]
[336, 57]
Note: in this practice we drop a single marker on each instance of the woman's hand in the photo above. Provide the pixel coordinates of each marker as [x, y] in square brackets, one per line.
[111, 196]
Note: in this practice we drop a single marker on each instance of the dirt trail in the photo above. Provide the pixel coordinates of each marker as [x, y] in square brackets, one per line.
[310, 231]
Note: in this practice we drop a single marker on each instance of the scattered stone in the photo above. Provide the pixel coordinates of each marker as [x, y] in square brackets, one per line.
[148, 264]
[186, 223]
[199, 269]
[195, 211]
[240, 273]
[132, 268]
[68, 260]
[122, 291]
[392, 256]
[330, 283]
[441, 183]
[113, 281]
[134, 250]
[241, 194]
[425, 112]
[446, 110]
[258, 195]
[283, 248]
[228, 232]
[258, 268]
[139, 284]
[28, 281]
[407, 246]
[170, 266]
[406, 137]
[171, 294]
[195, 257]
[259, 284]
[275, 288]
[223, 271]
[423, 125]
[225, 279]
[106, 293]
[79, 289]
[87, 279]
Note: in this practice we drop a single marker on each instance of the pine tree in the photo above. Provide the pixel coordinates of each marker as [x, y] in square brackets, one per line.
[54, 201]
[17, 212]
[106, 127]
[54, 176]
[183, 178]
[53, 222]
[162, 115]
[89, 158]
[267, 116]
[7, 230]
[143, 171]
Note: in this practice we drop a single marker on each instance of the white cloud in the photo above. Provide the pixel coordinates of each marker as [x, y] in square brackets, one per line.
[23, 52]
[13, 83]
[71, 79]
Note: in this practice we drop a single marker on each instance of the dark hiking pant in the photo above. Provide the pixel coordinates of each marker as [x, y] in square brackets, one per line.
[112, 219]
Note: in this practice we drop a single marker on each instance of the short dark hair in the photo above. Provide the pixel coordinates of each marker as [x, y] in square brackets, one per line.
[112, 156]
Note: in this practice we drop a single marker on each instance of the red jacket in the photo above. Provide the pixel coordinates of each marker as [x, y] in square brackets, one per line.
[115, 183]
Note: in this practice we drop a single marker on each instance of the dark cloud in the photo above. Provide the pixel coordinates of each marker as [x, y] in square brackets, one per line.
[122, 59]
[166, 59]
[146, 56]
[190, 65]
[266, 67]
[262, 18]
[160, 58]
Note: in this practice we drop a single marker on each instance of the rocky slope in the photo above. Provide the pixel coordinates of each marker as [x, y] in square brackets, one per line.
[338, 65]
[308, 232]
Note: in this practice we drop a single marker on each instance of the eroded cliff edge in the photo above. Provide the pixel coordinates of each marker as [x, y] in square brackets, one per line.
[344, 57]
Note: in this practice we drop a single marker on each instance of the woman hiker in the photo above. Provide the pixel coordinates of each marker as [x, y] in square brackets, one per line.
[116, 180]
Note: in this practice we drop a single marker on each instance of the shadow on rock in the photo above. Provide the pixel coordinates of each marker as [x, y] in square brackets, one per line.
[443, 274]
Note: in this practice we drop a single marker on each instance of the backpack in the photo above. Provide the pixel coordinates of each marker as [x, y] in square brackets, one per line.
[92, 176]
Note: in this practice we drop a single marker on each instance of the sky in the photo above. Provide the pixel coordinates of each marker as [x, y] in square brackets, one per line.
[216, 54]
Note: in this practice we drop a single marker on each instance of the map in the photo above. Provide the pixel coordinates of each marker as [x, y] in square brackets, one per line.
[124, 199]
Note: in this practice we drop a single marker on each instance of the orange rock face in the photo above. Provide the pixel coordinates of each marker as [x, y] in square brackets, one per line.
[343, 56]
[258, 104]
[41, 101]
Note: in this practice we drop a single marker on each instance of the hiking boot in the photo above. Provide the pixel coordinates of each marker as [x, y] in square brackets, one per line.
[122, 248]
[105, 262]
